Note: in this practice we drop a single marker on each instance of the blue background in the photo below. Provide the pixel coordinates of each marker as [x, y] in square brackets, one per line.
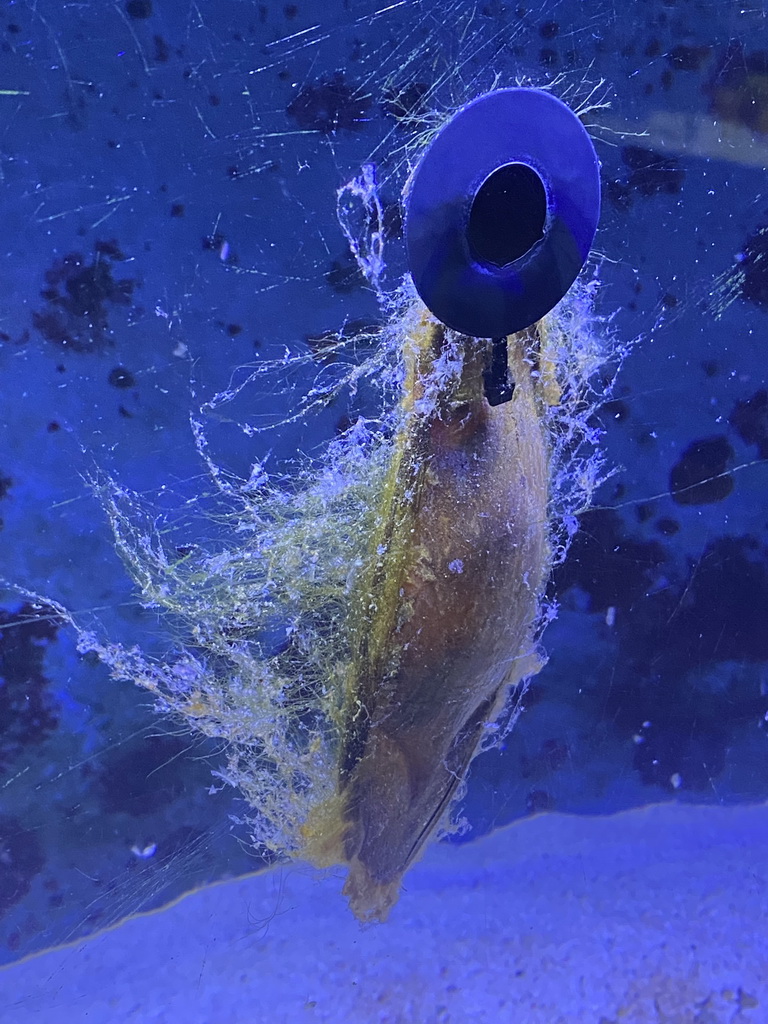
[168, 174]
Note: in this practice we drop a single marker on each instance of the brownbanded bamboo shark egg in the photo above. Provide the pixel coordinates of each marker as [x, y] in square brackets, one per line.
[410, 565]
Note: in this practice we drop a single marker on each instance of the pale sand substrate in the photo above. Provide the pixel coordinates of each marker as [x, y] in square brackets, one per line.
[657, 915]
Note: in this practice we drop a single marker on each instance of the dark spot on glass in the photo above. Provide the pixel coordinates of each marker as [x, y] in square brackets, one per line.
[233, 172]
[538, 800]
[653, 47]
[139, 9]
[110, 249]
[667, 527]
[669, 301]
[667, 78]
[53, 427]
[688, 58]
[646, 437]
[548, 29]
[644, 511]
[290, 11]
[550, 757]
[344, 275]
[177, 209]
[615, 410]
[750, 421]
[234, 329]
[119, 377]
[548, 57]
[700, 476]
[618, 194]
[214, 100]
[162, 50]
[13, 28]
[710, 367]
[124, 412]
[79, 295]
[342, 424]
[407, 103]
[6, 482]
[329, 105]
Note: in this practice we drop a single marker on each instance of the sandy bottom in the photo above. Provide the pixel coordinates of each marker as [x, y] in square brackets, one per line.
[655, 915]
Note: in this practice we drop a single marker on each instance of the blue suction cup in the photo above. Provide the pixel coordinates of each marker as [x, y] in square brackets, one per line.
[501, 212]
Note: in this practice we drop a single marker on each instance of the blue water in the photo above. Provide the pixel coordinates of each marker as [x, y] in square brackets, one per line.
[168, 188]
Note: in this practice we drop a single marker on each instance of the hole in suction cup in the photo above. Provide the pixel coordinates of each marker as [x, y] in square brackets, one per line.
[508, 215]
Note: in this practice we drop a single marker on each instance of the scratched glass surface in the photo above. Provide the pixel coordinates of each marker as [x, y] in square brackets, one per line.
[181, 312]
